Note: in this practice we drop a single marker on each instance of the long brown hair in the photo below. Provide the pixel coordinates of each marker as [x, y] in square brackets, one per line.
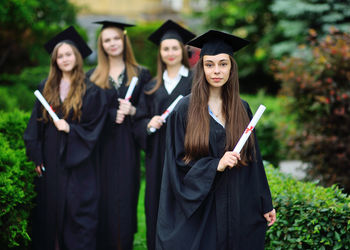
[74, 100]
[161, 67]
[197, 131]
[101, 73]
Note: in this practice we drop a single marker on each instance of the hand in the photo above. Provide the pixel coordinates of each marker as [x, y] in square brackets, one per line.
[270, 217]
[230, 159]
[39, 169]
[156, 122]
[62, 125]
[126, 107]
[120, 117]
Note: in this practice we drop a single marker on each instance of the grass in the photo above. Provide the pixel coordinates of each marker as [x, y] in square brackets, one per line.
[140, 236]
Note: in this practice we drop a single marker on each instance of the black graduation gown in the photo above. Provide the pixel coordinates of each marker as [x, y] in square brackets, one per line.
[151, 105]
[120, 171]
[67, 199]
[201, 208]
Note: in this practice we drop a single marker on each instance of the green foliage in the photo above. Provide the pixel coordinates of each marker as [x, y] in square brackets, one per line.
[296, 17]
[272, 143]
[144, 50]
[308, 216]
[319, 84]
[26, 26]
[16, 178]
[275, 28]
[18, 94]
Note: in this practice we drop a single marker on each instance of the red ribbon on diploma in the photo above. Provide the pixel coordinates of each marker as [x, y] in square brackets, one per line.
[249, 129]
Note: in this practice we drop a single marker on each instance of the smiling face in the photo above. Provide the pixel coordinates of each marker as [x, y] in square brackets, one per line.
[112, 41]
[66, 59]
[217, 69]
[171, 52]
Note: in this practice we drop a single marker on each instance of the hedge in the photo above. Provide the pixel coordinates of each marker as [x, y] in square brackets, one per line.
[16, 182]
[308, 216]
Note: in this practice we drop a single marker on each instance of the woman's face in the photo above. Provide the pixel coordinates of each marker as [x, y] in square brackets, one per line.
[112, 41]
[171, 52]
[66, 59]
[217, 69]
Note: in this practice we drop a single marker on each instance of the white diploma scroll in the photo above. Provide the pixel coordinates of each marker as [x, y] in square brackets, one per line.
[167, 112]
[46, 105]
[249, 129]
[131, 88]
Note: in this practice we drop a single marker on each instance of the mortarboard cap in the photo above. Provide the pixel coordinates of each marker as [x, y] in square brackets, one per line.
[171, 30]
[118, 24]
[71, 36]
[216, 42]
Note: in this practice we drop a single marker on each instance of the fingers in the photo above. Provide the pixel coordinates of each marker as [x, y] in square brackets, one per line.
[120, 117]
[230, 159]
[62, 125]
[38, 171]
[270, 217]
[125, 106]
[156, 122]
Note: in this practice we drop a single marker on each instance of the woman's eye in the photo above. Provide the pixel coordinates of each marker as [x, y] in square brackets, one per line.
[208, 65]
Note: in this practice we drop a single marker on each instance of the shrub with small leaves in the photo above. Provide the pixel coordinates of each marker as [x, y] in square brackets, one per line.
[319, 82]
[16, 182]
[308, 216]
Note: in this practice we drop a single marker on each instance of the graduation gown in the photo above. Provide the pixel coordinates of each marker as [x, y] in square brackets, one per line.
[67, 197]
[201, 208]
[120, 171]
[151, 105]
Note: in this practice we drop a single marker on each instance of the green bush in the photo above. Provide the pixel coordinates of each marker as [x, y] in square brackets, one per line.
[308, 216]
[145, 51]
[16, 182]
[317, 79]
[18, 90]
[272, 143]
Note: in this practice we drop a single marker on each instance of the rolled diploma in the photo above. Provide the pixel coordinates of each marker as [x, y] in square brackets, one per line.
[249, 129]
[167, 112]
[131, 88]
[46, 105]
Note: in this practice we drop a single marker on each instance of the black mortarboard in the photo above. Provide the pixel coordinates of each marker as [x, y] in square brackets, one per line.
[71, 36]
[118, 24]
[216, 42]
[171, 30]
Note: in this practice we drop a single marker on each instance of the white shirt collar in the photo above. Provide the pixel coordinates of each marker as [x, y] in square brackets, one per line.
[169, 83]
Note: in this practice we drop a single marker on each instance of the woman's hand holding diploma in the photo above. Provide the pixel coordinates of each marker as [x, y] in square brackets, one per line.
[62, 125]
[230, 159]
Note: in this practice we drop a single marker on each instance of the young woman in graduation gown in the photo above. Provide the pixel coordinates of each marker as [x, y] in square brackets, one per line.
[64, 152]
[120, 154]
[212, 197]
[173, 79]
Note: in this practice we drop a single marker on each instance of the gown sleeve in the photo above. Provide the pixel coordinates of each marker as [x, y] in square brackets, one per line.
[142, 117]
[189, 183]
[33, 136]
[83, 135]
[34, 132]
[265, 193]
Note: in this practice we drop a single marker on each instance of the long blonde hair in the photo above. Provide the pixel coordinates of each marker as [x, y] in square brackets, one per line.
[74, 100]
[161, 67]
[101, 73]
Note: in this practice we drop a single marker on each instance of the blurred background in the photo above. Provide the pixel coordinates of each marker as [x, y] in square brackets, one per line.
[297, 65]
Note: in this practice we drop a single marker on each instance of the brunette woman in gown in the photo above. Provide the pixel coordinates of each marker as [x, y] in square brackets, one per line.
[120, 153]
[173, 79]
[212, 197]
[64, 151]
